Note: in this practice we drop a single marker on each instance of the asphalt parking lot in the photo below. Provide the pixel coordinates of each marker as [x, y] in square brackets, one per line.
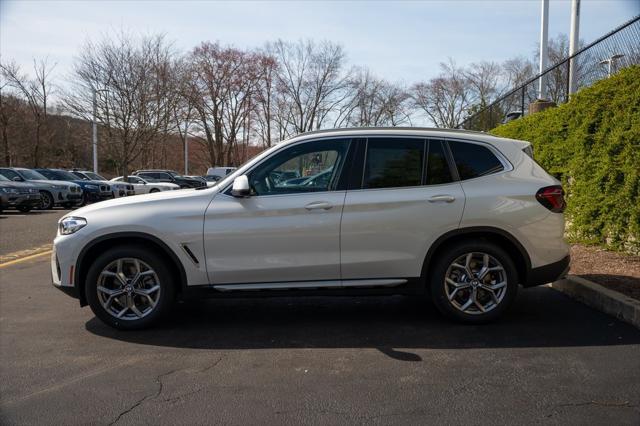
[22, 231]
[389, 360]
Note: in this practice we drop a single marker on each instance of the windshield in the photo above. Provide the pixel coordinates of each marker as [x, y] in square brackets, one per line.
[94, 176]
[240, 170]
[31, 175]
[60, 175]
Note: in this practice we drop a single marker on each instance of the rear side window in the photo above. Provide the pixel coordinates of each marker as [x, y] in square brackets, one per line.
[474, 160]
[393, 163]
[438, 171]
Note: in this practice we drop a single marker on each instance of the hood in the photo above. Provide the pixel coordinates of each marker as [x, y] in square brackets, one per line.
[84, 183]
[142, 201]
[63, 183]
[18, 185]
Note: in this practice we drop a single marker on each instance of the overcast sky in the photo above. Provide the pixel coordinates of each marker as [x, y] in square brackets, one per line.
[401, 41]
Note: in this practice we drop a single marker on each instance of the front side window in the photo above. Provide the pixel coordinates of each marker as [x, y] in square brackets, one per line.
[393, 163]
[473, 160]
[307, 167]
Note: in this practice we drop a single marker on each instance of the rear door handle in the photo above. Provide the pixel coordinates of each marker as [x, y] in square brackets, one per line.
[319, 205]
[442, 198]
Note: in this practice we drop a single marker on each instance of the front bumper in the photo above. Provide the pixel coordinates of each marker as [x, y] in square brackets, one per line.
[548, 273]
[17, 200]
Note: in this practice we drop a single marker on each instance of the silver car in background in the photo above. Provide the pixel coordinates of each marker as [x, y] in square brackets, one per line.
[52, 192]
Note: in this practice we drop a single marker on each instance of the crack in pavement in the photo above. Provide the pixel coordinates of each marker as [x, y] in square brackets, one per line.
[146, 397]
[158, 392]
[598, 403]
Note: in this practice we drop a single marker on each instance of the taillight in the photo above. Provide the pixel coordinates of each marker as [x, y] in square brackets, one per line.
[552, 197]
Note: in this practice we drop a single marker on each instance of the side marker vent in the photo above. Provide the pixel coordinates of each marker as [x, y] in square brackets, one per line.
[190, 253]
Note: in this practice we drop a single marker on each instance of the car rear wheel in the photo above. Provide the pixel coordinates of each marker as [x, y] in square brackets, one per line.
[129, 288]
[473, 282]
[46, 200]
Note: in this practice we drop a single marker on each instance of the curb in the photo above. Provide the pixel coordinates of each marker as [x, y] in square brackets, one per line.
[596, 296]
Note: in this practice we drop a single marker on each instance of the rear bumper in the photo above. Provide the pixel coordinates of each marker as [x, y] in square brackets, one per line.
[548, 273]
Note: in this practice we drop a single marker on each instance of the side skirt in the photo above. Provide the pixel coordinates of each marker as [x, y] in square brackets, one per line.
[365, 287]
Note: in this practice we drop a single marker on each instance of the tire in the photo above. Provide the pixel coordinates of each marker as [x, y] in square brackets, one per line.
[105, 304]
[46, 200]
[68, 206]
[24, 209]
[154, 190]
[491, 298]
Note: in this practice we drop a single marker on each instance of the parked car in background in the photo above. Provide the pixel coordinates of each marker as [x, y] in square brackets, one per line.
[92, 191]
[461, 217]
[171, 177]
[20, 195]
[56, 192]
[212, 180]
[119, 189]
[221, 172]
[144, 186]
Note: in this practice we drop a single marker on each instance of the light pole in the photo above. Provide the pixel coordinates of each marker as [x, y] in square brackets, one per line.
[574, 41]
[186, 149]
[544, 41]
[610, 62]
[95, 129]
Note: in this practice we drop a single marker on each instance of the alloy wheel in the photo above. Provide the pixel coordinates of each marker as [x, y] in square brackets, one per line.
[128, 289]
[475, 283]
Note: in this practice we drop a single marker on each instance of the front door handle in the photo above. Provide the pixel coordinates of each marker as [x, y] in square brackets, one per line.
[442, 198]
[319, 205]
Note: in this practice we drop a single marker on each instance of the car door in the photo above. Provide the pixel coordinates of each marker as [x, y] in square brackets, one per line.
[407, 197]
[281, 233]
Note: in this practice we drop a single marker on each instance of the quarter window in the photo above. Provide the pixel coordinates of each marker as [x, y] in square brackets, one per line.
[438, 171]
[393, 163]
[474, 160]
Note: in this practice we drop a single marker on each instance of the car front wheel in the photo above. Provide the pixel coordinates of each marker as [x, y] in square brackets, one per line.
[129, 288]
[473, 282]
[46, 200]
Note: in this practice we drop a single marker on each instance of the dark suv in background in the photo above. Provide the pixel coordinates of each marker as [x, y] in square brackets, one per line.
[91, 190]
[171, 177]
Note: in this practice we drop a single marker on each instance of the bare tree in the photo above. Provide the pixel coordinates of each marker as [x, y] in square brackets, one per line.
[132, 80]
[311, 83]
[373, 102]
[445, 98]
[35, 92]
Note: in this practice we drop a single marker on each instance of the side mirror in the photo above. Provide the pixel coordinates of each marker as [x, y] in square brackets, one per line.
[240, 187]
[17, 179]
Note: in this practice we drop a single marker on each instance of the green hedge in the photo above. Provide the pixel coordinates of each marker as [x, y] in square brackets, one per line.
[592, 144]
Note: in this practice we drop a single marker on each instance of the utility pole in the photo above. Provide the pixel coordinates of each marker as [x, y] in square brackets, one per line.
[95, 132]
[544, 55]
[574, 40]
[186, 149]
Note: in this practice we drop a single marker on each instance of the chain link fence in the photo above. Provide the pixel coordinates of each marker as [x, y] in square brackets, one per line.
[618, 49]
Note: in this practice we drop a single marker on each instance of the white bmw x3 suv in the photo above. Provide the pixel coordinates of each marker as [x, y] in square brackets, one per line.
[462, 217]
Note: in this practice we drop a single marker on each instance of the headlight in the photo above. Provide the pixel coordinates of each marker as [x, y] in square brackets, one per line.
[71, 224]
[91, 186]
